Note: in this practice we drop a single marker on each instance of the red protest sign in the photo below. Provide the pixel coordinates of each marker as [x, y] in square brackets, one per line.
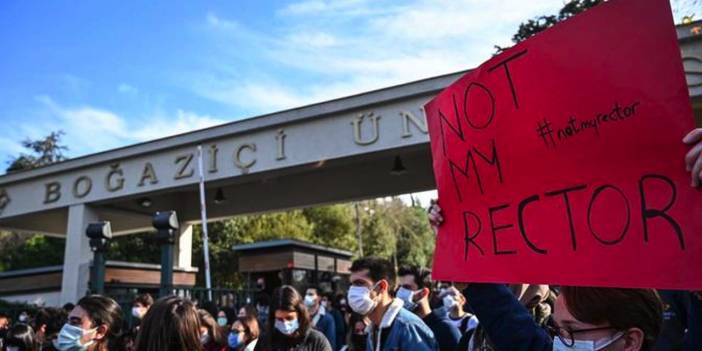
[560, 160]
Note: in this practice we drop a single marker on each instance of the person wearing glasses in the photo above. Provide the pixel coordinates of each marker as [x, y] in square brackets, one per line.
[584, 318]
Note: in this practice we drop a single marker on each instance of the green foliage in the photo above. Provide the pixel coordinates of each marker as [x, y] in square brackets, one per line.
[333, 226]
[20, 251]
[535, 25]
[134, 248]
[389, 229]
[42, 152]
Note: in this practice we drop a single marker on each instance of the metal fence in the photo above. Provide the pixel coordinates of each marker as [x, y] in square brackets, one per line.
[124, 296]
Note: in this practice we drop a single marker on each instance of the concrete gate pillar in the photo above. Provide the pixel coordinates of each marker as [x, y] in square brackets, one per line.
[183, 253]
[77, 255]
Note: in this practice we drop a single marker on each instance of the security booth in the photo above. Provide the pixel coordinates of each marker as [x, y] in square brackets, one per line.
[42, 286]
[269, 264]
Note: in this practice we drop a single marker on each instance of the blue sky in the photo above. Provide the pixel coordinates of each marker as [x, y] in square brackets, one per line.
[113, 73]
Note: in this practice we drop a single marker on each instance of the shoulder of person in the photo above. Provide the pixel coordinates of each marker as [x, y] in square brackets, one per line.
[317, 339]
[314, 334]
[410, 321]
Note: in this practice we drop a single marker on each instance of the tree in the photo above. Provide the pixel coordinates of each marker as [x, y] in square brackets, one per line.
[21, 251]
[42, 152]
[18, 251]
[535, 25]
[333, 226]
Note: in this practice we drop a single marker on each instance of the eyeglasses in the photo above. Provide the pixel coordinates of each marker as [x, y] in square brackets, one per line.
[567, 336]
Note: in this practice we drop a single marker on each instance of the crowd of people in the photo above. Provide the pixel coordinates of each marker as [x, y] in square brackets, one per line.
[384, 308]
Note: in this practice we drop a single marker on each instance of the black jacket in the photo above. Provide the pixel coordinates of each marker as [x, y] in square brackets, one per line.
[312, 341]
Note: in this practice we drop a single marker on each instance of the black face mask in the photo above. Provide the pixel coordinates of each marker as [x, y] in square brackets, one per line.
[359, 341]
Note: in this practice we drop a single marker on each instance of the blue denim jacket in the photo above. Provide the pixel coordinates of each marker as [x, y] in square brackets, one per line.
[407, 333]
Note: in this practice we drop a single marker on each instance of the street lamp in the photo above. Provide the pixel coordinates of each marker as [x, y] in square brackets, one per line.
[166, 224]
[99, 234]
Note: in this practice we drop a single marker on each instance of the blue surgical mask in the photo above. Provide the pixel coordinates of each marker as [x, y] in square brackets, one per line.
[287, 327]
[234, 340]
[69, 338]
[222, 321]
[407, 296]
[586, 345]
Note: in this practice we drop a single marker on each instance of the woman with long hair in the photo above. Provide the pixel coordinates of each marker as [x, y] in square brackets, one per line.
[94, 324]
[289, 324]
[212, 336]
[173, 324]
[244, 334]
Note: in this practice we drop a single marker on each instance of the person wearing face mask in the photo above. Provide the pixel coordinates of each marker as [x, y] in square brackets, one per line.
[357, 339]
[453, 302]
[392, 327]
[537, 299]
[320, 319]
[212, 337]
[334, 309]
[21, 337]
[94, 324]
[141, 305]
[222, 320]
[263, 303]
[414, 283]
[583, 319]
[244, 334]
[47, 324]
[289, 325]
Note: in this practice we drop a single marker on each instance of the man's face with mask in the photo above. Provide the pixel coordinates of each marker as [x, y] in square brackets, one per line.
[408, 291]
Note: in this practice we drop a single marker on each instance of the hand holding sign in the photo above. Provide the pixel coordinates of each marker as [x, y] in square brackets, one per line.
[565, 152]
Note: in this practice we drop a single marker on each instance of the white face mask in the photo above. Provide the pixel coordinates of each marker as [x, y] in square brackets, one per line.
[449, 301]
[407, 296]
[309, 300]
[12, 348]
[204, 339]
[586, 345]
[136, 312]
[287, 327]
[69, 339]
[360, 300]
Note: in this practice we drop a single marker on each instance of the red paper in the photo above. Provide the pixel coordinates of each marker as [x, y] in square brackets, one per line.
[560, 160]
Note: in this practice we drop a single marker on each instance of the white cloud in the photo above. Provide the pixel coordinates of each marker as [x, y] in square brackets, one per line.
[127, 89]
[340, 48]
[89, 129]
[319, 7]
[314, 39]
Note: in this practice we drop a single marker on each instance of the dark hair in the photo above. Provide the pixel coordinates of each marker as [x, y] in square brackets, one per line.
[172, 323]
[216, 333]
[263, 299]
[316, 290]
[378, 269]
[422, 277]
[286, 298]
[144, 299]
[68, 307]
[103, 310]
[21, 336]
[251, 329]
[52, 318]
[620, 308]
[250, 310]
